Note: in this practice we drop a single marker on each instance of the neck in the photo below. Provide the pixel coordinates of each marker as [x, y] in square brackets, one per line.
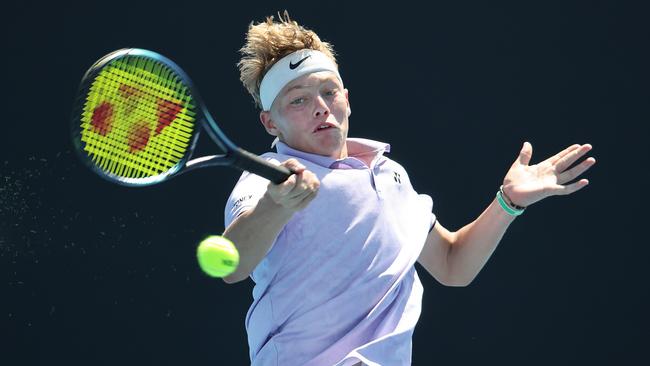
[344, 152]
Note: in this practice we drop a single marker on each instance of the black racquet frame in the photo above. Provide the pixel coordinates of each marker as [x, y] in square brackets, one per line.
[234, 156]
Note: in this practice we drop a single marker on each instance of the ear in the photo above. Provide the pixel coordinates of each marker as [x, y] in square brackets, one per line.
[347, 98]
[268, 123]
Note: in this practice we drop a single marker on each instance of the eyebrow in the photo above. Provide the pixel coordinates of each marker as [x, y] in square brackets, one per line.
[297, 87]
[303, 86]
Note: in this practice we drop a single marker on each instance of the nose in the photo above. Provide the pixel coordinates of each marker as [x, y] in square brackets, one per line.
[321, 108]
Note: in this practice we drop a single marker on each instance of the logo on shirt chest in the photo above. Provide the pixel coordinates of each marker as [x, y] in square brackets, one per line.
[397, 177]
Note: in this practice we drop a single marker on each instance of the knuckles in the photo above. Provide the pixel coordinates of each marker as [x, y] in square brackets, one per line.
[310, 181]
[294, 165]
[298, 190]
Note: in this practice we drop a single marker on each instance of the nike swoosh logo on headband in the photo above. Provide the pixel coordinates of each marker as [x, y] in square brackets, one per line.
[293, 66]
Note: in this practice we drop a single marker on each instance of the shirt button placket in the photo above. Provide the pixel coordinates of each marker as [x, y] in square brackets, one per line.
[375, 182]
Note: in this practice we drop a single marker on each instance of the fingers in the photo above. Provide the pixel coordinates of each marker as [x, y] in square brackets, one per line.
[293, 165]
[282, 189]
[288, 185]
[570, 188]
[553, 159]
[305, 190]
[298, 190]
[525, 154]
[576, 171]
[306, 183]
[569, 158]
[305, 200]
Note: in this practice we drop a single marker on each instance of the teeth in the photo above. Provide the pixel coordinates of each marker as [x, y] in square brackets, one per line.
[322, 127]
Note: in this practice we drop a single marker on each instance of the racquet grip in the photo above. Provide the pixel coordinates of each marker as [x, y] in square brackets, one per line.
[245, 160]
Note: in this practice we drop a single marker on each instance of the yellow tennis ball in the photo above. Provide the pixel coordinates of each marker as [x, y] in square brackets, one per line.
[217, 256]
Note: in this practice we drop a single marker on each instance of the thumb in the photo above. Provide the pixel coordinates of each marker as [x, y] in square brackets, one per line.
[294, 165]
[525, 154]
[285, 187]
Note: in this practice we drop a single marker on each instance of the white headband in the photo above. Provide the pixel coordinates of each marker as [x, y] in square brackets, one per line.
[291, 67]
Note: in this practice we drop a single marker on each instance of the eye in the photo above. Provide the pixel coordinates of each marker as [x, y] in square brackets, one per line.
[297, 101]
[331, 92]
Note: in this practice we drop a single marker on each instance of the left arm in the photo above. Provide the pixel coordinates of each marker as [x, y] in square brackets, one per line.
[455, 258]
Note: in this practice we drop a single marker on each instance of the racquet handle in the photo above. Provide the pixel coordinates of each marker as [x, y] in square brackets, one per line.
[245, 160]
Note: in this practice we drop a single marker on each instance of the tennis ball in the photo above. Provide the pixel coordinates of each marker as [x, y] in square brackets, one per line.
[217, 256]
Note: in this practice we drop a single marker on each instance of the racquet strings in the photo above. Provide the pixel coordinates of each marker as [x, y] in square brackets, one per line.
[138, 119]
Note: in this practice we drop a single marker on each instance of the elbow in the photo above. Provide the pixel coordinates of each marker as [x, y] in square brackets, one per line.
[229, 281]
[457, 279]
[450, 279]
[234, 278]
[457, 283]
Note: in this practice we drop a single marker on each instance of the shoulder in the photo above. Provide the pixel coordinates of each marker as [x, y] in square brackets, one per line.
[247, 191]
[273, 157]
[392, 166]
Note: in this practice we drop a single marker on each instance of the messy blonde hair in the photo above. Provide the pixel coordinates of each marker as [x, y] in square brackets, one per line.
[268, 42]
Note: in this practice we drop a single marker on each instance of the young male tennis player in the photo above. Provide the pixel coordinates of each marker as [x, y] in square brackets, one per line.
[332, 250]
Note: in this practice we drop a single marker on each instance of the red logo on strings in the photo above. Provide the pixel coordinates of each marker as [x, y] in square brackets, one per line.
[102, 119]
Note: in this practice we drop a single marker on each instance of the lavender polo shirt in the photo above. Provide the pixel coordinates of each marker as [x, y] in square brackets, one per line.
[339, 285]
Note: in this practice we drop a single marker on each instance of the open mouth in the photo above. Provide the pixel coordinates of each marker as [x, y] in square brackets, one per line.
[323, 127]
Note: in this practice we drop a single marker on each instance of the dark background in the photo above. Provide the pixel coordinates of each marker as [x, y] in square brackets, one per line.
[93, 273]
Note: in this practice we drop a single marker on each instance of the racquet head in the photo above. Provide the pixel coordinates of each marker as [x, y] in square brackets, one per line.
[135, 120]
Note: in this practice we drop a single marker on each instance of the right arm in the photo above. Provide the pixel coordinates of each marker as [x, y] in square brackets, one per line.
[255, 231]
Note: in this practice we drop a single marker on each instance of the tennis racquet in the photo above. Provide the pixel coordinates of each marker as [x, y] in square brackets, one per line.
[137, 118]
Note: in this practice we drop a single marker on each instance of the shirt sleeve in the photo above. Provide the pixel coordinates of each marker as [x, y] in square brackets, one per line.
[247, 192]
[427, 202]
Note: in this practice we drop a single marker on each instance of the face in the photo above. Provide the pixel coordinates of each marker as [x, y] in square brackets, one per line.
[310, 114]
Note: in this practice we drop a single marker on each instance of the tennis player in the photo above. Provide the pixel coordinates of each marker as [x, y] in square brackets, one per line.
[332, 250]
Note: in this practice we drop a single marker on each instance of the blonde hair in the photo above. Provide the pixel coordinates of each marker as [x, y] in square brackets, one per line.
[268, 42]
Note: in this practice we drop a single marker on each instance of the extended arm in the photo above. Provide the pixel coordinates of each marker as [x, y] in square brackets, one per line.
[455, 258]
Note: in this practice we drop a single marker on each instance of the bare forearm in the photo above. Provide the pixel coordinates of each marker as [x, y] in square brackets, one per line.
[468, 249]
[475, 243]
[253, 233]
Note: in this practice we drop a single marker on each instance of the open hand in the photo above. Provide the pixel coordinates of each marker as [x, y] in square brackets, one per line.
[526, 184]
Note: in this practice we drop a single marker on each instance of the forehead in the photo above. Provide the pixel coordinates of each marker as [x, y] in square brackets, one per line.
[311, 80]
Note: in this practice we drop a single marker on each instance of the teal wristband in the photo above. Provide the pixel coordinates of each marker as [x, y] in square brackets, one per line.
[511, 211]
